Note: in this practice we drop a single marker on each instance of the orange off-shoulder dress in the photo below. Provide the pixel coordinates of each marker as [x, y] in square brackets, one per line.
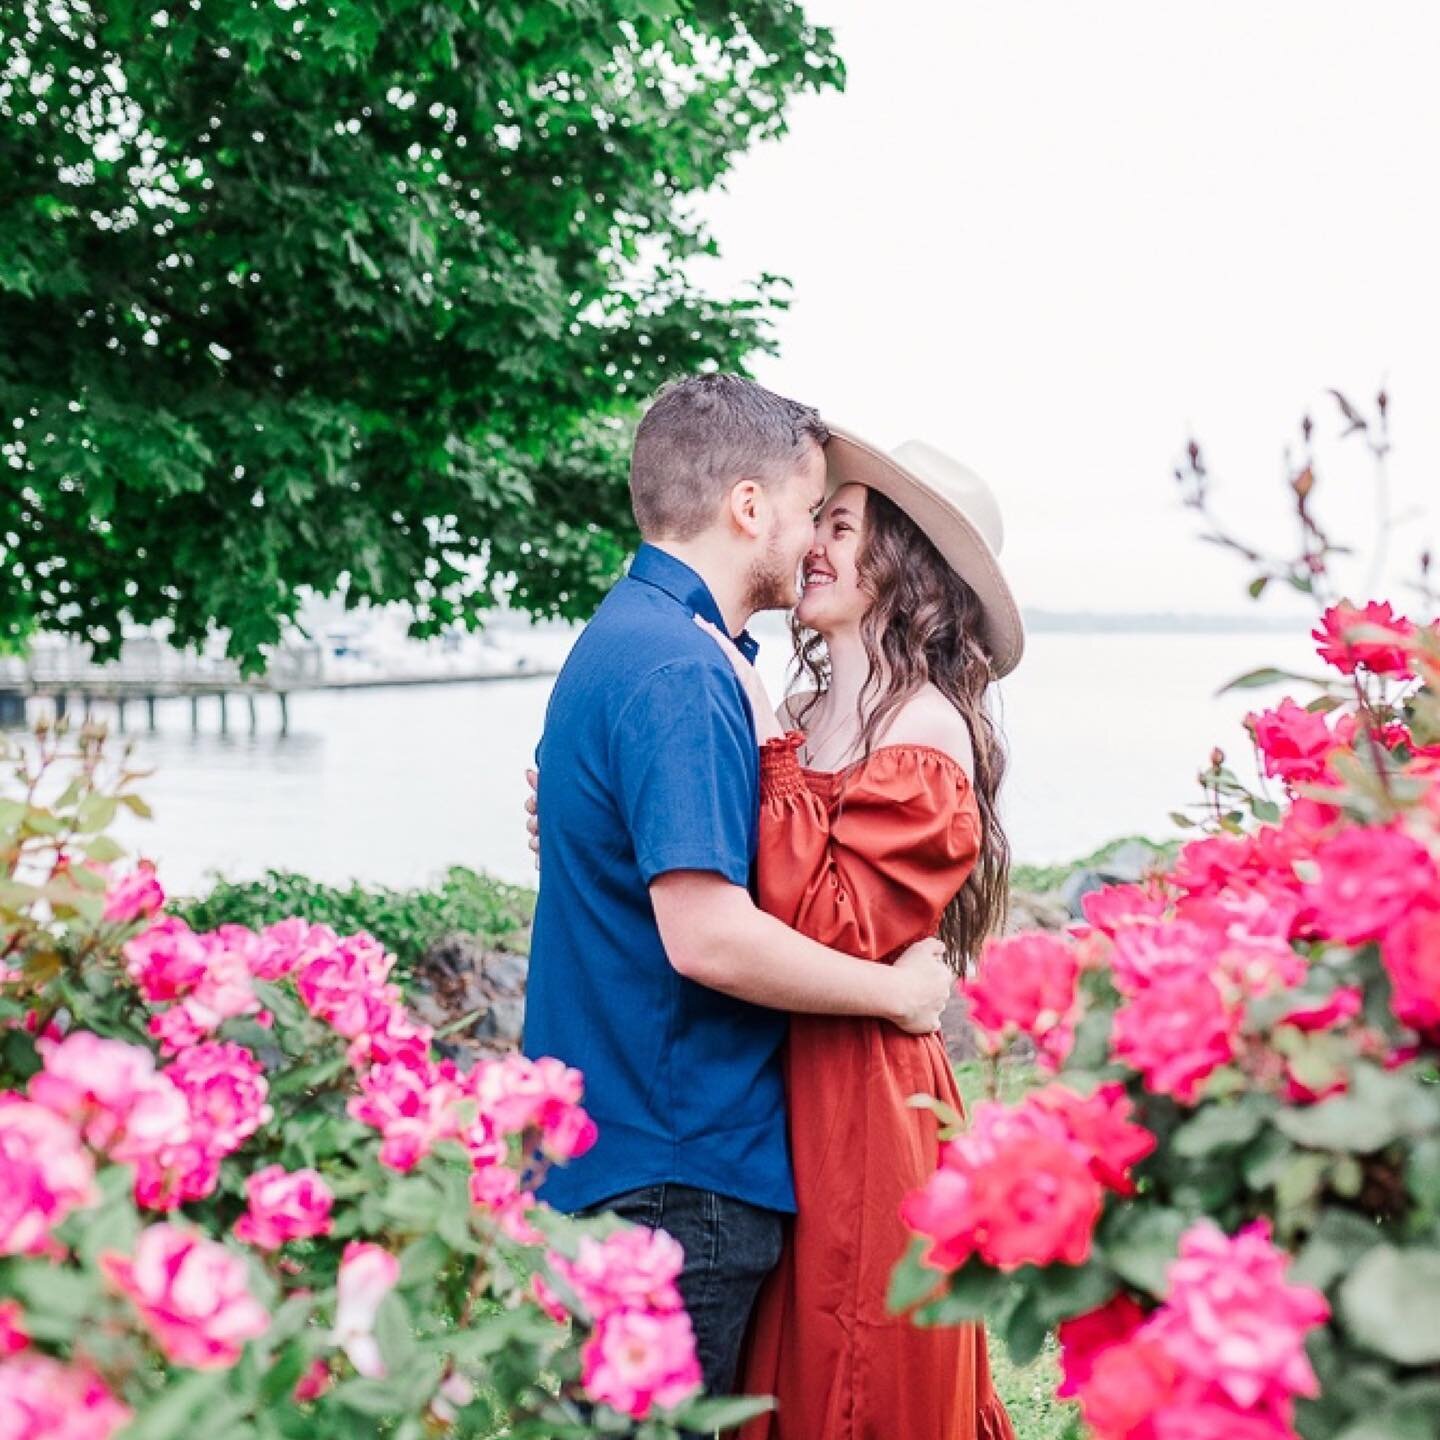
[864, 860]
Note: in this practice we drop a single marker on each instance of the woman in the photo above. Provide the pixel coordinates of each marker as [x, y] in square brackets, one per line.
[878, 828]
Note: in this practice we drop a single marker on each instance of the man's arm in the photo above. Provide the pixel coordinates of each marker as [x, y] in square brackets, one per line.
[715, 935]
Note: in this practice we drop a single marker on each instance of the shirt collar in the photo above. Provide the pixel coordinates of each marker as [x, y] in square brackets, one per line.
[653, 566]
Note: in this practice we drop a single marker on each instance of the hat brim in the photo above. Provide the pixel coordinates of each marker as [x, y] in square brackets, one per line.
[852, 461]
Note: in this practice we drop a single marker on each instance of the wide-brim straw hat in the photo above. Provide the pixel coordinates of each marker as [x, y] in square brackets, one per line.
[959, 515]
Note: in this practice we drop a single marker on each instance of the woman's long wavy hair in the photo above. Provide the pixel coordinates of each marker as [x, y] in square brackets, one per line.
[924, 625]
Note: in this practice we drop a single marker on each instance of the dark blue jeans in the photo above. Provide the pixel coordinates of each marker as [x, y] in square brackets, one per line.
[730, 1247]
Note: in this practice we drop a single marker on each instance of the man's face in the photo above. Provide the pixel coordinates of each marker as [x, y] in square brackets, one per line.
[794, 502]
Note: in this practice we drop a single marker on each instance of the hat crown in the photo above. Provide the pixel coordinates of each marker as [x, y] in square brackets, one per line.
[958, 484]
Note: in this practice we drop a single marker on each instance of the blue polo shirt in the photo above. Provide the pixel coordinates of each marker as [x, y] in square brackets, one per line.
[649, 764]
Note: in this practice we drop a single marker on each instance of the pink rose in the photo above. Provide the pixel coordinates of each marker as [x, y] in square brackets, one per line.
[314, 1382]
[42, 1399]
[48, 1173]
[14, 1337]
[636, 1361]
[411, 1106]
[191, 1293]
[166, 961]
[1295, 744]
[288, 944]
[1084, 1338]
[1232, 1320]
[1127, 1386]
[1411, 956]
[1369, 635]
[1027, 984]
[1370, 877]
[284, 1205]
[225, 1088]
[1176, 1035]
[635, 1269]
[133, 897]
[1118, 905]
[517, 1095]
[1099, 1125]
[111, 1092]
[336, 984]
[367, 1275]
[1340, 1006]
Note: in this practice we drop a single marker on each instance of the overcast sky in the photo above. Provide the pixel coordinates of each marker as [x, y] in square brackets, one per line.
[1056, 238]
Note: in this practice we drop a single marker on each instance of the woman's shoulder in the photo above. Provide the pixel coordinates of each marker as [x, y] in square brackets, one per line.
[929, 721]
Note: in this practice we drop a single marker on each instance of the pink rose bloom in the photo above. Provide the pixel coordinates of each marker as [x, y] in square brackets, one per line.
[284, 1205]
[517, 1095]
[1384, 648]
[1231, 1319]
[133, 897]
[335, 984]
[1212, 864]
[1370, 877]
[42, 1399]
[412, 1107]
[1213, 1420]
[1146, 955]
[14, 1337]
[179, 1027]
[288, 944]
[48, 1173]
[1295, 744]
[635, 1362]
[1411, 956]
[225, 1088]
[390, 1034]
[1176, 1035]
[1101, 1126]
[367, 1275]
[166, 961]
[191, 1293]
[175, 1176]
[634, 1269]
[546, 1298]
[1084, 1338]
[110, 1091]
[1118, 905]
[1015, 1189]
[1128, 1384]
[1027, 984]
[225, 989]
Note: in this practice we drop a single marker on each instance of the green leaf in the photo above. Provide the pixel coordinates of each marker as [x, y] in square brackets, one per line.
[184, 1405]
[394, 1331]
[1220, 1127]
[912, 1280]
[1334, 1248]
[971, 1292]
[1141, 1244]
[1388, 1304]
[723, 1413]
[1064, 1291]
[1024, 1330]
[1376, 1110]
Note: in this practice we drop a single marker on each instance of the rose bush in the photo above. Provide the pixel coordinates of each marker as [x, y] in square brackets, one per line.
[241, 1194]
[1227, 1199]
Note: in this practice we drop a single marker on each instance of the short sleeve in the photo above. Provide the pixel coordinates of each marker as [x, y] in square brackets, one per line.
[686, 764]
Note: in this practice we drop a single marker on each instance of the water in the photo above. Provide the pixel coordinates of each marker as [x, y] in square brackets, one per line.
[1106, 733]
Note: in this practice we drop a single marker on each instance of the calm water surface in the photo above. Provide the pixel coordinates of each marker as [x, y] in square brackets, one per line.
[1106, 733]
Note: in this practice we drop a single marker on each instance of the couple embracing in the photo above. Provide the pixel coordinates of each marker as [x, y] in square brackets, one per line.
[750, 919]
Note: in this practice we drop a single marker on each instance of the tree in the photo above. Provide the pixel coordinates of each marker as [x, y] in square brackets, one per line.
[354, 296]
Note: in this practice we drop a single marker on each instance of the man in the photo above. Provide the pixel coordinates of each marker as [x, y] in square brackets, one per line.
[652, 969]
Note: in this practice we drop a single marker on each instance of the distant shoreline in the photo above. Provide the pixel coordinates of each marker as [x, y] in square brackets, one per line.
[1088, 622]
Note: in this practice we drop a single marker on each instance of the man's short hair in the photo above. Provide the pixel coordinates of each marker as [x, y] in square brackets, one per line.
[700, 437]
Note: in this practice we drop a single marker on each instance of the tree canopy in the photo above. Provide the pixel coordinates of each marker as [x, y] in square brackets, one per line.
[355, 295]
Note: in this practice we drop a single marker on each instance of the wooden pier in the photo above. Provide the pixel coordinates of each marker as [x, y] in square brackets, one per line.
[63, 674]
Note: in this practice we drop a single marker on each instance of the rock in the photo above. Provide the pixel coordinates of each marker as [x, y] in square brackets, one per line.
[459, 976]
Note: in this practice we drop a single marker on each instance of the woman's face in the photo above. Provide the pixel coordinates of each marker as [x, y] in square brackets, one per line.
[832, 599]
